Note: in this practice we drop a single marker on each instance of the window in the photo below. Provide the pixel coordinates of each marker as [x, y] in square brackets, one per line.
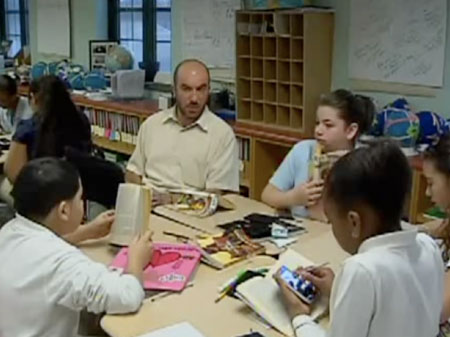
[15, 23]
[144, 27]
[163, 34]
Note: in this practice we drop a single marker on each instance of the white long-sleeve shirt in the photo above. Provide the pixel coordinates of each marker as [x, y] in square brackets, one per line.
[392, 287]
[45, 282]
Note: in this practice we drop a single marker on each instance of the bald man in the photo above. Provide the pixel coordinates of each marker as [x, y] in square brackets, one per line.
[186, 146]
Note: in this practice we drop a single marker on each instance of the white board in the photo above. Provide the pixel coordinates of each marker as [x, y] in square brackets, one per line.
[398, 41]
[208, 31]
[53, 27]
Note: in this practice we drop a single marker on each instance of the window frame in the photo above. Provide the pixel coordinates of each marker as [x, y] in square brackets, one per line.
[149, 16]
[23, 12]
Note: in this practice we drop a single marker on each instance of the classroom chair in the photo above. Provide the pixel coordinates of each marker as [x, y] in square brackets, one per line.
[38, 70]
[100, 178]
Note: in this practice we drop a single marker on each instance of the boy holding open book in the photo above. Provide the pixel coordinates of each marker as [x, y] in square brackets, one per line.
[45, 281]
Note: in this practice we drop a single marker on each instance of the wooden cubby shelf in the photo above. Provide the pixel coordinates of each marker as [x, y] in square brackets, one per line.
[283, 65]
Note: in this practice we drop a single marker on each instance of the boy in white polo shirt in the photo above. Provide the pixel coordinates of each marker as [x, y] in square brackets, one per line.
[45, 281]
[13, 107]
[392, 286]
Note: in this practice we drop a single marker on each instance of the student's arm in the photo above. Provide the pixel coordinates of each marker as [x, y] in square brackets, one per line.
[16, 160]
[305, 194]
[136, 164]
[133, 178]
[78, 282]
[445, 315]
[96, 229]
[281, 191]
[353, 306]
[223, 166]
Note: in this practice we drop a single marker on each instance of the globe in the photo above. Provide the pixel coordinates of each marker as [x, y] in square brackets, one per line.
[119, 58]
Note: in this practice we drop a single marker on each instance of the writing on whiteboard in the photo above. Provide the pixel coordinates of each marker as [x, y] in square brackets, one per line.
[400, 41]
[208, 28]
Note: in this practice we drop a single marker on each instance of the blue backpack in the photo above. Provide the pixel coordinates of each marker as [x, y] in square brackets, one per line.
[432, 127]
[398, 122]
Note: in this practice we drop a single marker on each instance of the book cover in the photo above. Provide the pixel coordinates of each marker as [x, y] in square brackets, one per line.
[223, 250]
[171, 267]
[201, 204]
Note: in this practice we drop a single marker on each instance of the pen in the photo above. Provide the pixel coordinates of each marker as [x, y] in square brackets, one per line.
[178, 236]
[312, 268]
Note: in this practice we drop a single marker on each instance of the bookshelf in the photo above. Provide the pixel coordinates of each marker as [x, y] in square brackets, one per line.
[283, 65]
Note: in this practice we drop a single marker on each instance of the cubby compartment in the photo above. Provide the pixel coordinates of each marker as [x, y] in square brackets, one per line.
[243, 65]
[257, 90]
[284, 71]
[270, 92]
[256, 46]
[282, 24]
[297, 25]
[296, 116]
[244, 109]
[297, 72]
[270, 47]
[270, 113]
[244, 88]
[283, 48]
[243, 45]
[297, 49]
[256, 23]
[270, 70]
[297, 95]
[242, 23]
[257, 69]
[283, 94]
[283, 116]
[257, 112]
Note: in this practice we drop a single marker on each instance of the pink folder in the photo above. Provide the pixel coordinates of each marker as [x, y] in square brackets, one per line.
[171, 266]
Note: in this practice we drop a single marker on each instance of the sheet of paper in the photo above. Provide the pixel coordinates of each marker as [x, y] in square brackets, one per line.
[184, 329]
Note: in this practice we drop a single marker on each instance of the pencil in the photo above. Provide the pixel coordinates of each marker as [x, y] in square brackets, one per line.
[178, 236]
[221, 296]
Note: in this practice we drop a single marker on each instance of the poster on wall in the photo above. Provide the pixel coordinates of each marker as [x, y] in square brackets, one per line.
[98, 49]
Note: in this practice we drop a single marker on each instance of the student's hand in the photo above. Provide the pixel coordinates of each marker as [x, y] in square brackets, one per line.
[160, 198]
[321, 277]
[307, 194]
[140, 252]
[100, 226]
[294, 305]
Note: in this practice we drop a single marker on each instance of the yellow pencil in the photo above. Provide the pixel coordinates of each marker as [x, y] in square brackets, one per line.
[221, 296]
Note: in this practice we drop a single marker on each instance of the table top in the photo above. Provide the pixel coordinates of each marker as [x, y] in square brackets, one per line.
[196, 304]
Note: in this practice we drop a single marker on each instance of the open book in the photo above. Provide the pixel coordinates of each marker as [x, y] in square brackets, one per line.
[263, 295]
[201, 204]
[133, 207]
